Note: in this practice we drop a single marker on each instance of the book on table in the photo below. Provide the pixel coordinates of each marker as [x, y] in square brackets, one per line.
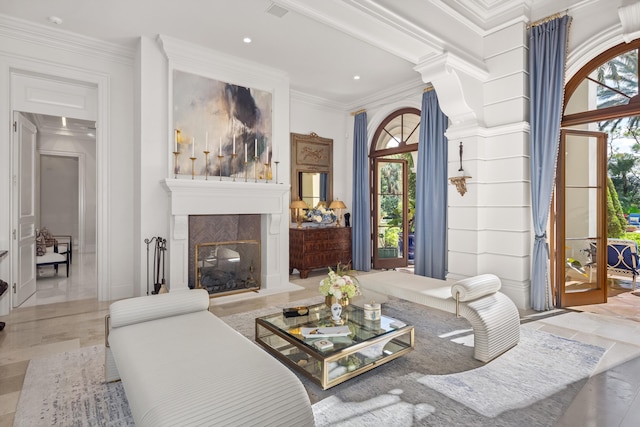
[325, 332]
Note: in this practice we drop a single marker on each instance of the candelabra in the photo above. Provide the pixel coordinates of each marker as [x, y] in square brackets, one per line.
[267, 172]
[255, 168]
[233, 165]
[246, 170]
[206, 164]
[193, 165]
[277, 163]
[220, 157]
[176, 168]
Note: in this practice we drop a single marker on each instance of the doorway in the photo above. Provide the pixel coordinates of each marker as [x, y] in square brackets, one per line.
[600, 122]
[393, 162]
[65, 204]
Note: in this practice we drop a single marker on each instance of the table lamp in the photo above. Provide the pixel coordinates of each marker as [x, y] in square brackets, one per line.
[297, 205]
[338, 205]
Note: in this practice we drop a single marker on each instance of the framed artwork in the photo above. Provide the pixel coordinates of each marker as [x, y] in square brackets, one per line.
[226, 128]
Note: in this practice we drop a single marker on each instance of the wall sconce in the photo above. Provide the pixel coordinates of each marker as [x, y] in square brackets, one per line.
[460, 181]
[339, 205]
[297, 205]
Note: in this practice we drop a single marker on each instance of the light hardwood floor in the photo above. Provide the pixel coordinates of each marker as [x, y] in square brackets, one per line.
[50, 324]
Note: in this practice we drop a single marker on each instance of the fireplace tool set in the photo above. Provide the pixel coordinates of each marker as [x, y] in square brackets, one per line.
[160, 248]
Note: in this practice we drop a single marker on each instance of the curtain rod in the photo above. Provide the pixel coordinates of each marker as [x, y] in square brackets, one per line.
[355, 113]
[428, 89]
[548, 18]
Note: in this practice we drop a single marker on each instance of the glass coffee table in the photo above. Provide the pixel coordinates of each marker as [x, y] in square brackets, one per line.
[370, 343]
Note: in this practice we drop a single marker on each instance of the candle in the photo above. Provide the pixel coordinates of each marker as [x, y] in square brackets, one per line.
[234, 144]
[220, 147]
[193, 146]
[206, 141]
[245, 152]
[175, 137]
[256, 148]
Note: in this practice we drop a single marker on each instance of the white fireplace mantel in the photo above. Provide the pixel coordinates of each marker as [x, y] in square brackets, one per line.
[215, 197]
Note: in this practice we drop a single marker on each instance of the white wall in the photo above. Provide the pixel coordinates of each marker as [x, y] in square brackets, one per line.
[309, 115]
[83, 149]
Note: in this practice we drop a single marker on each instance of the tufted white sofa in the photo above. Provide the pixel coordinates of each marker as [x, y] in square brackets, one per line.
[182, 365]
[493, 316]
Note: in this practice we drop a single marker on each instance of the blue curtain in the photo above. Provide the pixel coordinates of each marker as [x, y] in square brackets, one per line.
[547, 55]
[361, 211]
[431, 191]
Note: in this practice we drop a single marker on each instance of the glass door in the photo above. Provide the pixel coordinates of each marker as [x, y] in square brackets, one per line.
[390, 213]
[581, 218]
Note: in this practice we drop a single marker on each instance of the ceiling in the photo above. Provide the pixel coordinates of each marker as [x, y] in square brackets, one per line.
[52, 125]
[321, 45]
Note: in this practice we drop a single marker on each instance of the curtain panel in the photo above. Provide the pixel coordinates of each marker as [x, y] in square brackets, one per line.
[361, 221]
[547, 57]
[431, 191]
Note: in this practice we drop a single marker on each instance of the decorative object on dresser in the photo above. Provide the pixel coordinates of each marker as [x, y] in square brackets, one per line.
[320, 215]
[313, 248]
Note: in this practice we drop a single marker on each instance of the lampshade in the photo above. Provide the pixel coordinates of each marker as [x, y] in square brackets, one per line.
[337, 204]
[298, 204]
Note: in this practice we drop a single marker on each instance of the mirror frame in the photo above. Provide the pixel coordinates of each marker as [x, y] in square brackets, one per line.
[311, 153]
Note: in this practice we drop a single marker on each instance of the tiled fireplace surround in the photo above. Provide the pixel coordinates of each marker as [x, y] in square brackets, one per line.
[213, 197]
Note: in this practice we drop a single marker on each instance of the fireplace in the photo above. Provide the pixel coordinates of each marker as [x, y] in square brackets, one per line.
[224, 268]
[267, 203]
[224, 253]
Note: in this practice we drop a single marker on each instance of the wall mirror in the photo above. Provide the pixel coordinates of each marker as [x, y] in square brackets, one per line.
[311, 169]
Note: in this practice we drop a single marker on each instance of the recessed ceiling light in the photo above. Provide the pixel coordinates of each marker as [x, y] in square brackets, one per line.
[64, 122]
[356, 77]
[247, 39]
[55, 20]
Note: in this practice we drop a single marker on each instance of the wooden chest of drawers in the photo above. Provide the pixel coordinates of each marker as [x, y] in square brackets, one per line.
[311, 248]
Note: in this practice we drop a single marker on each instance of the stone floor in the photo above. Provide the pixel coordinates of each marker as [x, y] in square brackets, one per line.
[64, 315]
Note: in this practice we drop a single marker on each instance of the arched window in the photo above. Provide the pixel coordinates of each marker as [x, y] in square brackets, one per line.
[601, 111]
[393, 160]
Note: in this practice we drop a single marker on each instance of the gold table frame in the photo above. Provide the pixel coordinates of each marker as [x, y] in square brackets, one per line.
[371, 343]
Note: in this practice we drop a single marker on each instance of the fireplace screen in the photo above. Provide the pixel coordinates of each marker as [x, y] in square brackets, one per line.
[224, 268]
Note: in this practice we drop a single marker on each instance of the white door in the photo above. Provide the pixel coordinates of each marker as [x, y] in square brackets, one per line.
[24, 223]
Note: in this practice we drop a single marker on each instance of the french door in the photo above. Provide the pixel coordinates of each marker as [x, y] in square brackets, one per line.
[390, 213]
[580, 232]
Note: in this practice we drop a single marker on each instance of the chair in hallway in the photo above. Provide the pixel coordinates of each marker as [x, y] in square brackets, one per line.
[48, 252]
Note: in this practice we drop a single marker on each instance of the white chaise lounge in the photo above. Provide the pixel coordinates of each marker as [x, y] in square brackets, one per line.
[493, 316]
[181, 365]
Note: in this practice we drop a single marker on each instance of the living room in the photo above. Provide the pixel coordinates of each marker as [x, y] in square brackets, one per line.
[481, 85]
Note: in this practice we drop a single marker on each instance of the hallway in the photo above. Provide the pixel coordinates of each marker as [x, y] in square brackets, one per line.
[80, 285]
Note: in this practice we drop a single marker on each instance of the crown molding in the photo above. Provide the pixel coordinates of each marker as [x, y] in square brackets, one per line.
[376, 26]
[390, 95]
[64, 40]
[317, 101]
[485, 17]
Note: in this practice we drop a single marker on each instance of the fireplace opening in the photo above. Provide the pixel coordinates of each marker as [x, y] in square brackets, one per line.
[224, 268]
[225, 253]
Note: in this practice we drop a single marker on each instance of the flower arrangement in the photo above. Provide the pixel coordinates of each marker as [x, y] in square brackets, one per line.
[321, 215]
[340, 284]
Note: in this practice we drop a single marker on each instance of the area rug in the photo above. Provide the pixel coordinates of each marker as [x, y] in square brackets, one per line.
[437, 384]
[68, 389]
